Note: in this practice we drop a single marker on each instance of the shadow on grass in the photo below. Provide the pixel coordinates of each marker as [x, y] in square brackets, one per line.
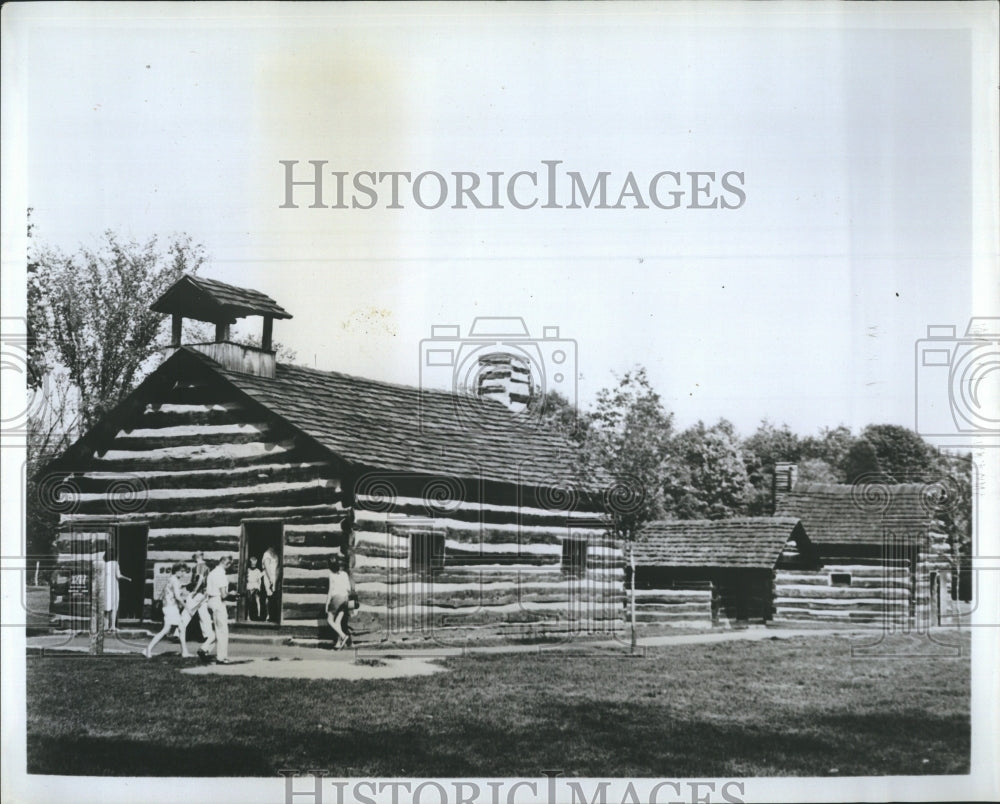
[85, 755]
[618, 743]
[734, 710]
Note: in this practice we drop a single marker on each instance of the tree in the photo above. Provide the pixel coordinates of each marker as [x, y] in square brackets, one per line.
[900, 453]
[816, 470]
[37, 361]
[768, 446]
[861, 460]
[707, 477]
[552, 409]
[52, 427]
[92, 338]
[89, 314]
[831, 447]
[952, 508]
[627, 437]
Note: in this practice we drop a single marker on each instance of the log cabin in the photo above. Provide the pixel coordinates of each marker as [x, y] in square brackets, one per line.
[721, 572]
[884, 558]
[453, 517]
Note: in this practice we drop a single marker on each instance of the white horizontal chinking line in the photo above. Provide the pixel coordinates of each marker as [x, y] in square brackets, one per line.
[418, 504]
[195, 496]
[211, 495]
[205, 454]
[504, 585]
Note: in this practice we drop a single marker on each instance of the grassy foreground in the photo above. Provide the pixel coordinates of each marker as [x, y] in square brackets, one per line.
[800, 707]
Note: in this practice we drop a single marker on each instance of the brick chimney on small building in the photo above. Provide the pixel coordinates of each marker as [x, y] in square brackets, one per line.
[220, 304]
[786, 475]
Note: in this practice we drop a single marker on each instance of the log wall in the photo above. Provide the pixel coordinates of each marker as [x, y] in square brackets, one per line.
[932, 560]
[196, 465]
[877, 593]
[502, 567]
[882, 591]
[687, 605]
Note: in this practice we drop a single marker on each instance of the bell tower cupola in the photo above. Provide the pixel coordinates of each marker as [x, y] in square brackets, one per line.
[217, 303]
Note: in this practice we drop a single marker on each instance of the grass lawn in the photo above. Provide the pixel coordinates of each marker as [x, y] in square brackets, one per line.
[800, 707]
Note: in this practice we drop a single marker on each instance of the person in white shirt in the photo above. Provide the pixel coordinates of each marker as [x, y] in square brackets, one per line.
[111, 593]
[216, 592]
[196, 597]
[338, 602]
[173, 601]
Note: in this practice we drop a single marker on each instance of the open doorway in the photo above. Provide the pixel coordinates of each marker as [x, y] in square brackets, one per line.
[261, 562]
[130, 547]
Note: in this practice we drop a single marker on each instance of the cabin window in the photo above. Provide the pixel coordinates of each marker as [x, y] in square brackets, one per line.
[840, 579]
[574, 556]
[426, 551]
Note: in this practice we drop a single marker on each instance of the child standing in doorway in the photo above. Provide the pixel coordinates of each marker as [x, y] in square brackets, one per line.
[255, 579]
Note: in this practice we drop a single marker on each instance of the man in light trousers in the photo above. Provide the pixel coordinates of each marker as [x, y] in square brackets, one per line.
[216, 592]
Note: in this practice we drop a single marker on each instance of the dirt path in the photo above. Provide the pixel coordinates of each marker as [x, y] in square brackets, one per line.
[314, 660]
[327, 667]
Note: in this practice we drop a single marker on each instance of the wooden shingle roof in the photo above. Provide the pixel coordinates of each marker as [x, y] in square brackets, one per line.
[210, 300]
[746, 542]
[382, 425]
[858, 514]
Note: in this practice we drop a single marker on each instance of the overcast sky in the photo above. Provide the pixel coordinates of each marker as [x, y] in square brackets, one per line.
[855, 139]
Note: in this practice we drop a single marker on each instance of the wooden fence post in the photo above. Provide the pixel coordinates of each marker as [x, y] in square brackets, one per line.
[631, 561]
[97, 574]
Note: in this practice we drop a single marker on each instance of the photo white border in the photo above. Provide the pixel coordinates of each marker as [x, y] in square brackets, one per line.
[980, 17]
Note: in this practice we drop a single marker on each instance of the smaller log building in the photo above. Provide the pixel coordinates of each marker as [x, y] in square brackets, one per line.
[695, 572]
[884, 558]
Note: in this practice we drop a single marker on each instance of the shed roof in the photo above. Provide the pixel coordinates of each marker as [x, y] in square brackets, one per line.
[211, 300]
[860, 514]
[743, 542]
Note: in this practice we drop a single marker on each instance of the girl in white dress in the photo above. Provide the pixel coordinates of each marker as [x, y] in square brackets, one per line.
[112, 574]
[173, 603]
[255, 580]
[338, 602]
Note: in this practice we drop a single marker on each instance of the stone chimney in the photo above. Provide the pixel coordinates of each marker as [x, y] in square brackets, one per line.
[506, 378]
[786, 475]
[220, 304]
